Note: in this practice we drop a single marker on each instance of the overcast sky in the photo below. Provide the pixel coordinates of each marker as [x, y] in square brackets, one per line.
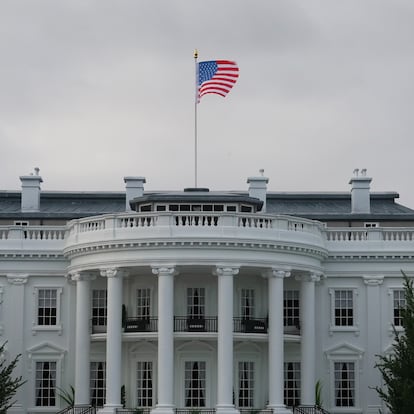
[94, 90]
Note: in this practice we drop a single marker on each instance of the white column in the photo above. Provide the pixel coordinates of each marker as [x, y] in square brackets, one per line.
[113, 339]
[308, 344]
[374, 341]
[82, 335]
[225, 340]
[15, 305]
[276, 341]
[165, 403]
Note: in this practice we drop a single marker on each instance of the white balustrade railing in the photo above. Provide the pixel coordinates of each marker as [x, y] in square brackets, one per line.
[145, 220]
[389, 234]
[42, 233]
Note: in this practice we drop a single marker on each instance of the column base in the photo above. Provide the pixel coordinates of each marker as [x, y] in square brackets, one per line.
[109, 409]
[279, 409]
[163, 409]
[226, 409]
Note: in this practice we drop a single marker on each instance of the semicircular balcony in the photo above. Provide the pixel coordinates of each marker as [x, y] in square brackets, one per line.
[140, 238]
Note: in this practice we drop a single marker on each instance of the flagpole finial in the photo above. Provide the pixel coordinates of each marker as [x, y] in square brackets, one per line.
[195, 53]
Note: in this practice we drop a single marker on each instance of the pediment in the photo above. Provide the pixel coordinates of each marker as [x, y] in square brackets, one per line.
[45, 348]
[344, 349]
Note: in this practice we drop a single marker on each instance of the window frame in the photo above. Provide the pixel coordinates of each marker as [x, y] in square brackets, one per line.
[242, 306]
[355, 311]
[345, 352]
[296, 379]
[58, 325]
[391, 291]
[150, 299]
[44, 352]
[105, 317]
[93, 361]
[205, 396]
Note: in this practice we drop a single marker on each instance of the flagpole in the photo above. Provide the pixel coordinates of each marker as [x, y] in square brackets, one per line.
[195, 117]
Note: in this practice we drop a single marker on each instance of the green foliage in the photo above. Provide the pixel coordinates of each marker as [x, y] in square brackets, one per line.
[397, 369]
[318, 394]
[67, 396]
[8, 384]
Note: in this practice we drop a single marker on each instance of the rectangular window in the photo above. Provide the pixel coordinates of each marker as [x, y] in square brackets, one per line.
[196, 303]
[47, 307]
[370, 225]
[291, 308]
[344, 384]
[145, 395]
[99, 307]
[45, 384]
[398, 304]
[292, 384]
[144, 303]
[247, 303]
[98, 383]
[246, 384]
[344, 308]
[195, 383]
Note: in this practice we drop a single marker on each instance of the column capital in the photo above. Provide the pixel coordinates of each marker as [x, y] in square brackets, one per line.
[112, 272]
[276, 272]
[81, 276]
[17, 278]
[373, 280]
[164, 270]
[226, 270]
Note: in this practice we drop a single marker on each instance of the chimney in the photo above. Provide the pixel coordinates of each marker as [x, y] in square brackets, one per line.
[31, 191]
[134, 187]
[258, 188]
[360, 196]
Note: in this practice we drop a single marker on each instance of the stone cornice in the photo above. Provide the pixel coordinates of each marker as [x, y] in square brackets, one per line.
[306, 250]
[32, 255]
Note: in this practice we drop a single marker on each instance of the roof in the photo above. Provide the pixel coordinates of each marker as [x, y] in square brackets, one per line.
[336, 206]
[317, 206]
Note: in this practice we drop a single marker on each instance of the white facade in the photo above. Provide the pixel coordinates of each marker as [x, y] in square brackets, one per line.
[194, 307]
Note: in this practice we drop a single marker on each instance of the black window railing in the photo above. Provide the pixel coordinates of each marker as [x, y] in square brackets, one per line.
[141, 324]
[195, 324]
[250, 325]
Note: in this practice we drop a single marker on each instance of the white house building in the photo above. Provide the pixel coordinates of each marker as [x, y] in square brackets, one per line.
[201, 301]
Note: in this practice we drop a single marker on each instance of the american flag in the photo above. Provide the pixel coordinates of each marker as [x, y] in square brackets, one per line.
[216, 76]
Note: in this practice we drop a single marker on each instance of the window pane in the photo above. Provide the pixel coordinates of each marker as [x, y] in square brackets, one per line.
[47, 307]
[144, 384]
[246, 384]
[247, 304]
[195, 383]
[292, 384]
[291, 308]
[196, 303]
[45, 384]
[344, 312]
[99, 307]
[98, 383]
[143, 303]
[344, 373]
